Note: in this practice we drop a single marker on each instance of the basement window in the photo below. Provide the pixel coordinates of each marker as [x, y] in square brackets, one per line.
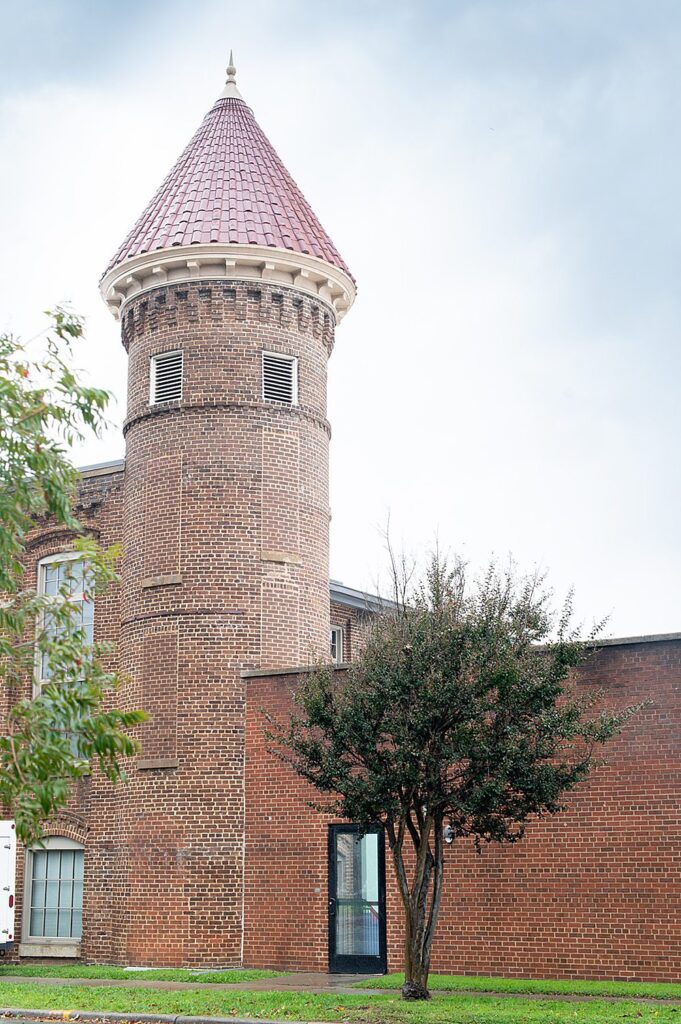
[279, 378]
[337, 644]
[166, 377]
[53, 900]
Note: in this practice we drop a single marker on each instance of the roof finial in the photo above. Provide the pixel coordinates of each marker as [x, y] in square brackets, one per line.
[231, 70]
[230, 90]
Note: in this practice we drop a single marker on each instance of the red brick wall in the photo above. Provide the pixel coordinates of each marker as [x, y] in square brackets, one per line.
[355, 625]
[240, 489]
[223, 515]
[91, 813]
[592, 893]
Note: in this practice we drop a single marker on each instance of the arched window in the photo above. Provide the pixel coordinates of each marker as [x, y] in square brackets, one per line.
[53, 896]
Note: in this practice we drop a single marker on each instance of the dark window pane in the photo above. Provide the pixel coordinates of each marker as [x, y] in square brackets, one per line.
[56, 899]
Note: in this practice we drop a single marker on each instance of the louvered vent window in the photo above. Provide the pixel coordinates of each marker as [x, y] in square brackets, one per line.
[166, 377]
[279, 378]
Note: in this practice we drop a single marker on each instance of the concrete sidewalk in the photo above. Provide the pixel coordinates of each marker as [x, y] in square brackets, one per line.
[302, 981]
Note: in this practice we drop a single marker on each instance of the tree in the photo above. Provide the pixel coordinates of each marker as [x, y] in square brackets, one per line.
[50, 740]
[457, 720]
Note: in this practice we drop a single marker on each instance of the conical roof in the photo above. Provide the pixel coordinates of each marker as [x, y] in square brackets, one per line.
[229, 187]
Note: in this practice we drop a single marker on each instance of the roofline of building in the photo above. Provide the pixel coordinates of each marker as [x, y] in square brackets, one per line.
[103, 468]
[228, 261]
[652, 638]
[358, 598]
[624, 641]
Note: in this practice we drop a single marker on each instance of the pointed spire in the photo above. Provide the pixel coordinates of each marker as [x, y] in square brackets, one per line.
[229, 187]
[230, 90]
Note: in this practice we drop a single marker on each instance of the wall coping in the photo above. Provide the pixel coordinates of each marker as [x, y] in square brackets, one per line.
[103, 468]
[649, 638]
[625, 641]
[359, 599]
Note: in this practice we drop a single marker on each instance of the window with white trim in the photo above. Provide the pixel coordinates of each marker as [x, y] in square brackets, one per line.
[166, 377]
[337, 644]
[279, 378]
[63, 577]
[53, 891]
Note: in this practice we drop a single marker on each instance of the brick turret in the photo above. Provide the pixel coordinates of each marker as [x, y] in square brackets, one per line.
[229, 291]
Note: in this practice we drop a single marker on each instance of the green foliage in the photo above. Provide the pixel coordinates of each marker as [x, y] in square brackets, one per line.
[537, 986]
[459, 713]
[51, 739]
[451, 711]
[438, 982]
[364, 1008]
[103, 971]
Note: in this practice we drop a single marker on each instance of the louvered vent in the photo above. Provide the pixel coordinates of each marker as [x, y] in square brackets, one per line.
[166, 377]
[279, 378]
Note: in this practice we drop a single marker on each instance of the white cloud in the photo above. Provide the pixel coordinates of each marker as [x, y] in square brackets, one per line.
[502, 187]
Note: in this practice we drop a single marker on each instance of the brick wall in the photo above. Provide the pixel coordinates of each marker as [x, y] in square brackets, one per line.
[355, 625]
[592, 893]
[226, 530]
[90, 816]
[223, 514]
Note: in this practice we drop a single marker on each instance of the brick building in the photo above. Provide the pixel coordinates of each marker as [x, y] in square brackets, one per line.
[229, 292]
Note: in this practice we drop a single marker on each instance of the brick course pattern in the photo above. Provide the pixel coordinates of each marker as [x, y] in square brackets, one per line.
[355, 625]
[227, 495]
[592, 893]
[90, 818]
[595, 892]
[223, 513]
[209, 855]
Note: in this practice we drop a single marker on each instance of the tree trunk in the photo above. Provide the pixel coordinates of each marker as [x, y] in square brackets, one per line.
[421, 905]
[415, 971]
[419, 918]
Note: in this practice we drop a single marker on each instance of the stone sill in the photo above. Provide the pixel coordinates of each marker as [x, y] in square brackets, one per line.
[60, 949]
[170, 579]
[150, 763]
[283, 557]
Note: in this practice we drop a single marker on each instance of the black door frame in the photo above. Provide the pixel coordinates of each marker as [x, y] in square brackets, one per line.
[342, 963]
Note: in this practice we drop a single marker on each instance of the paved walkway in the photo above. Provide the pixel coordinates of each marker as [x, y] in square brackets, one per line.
[301, 981]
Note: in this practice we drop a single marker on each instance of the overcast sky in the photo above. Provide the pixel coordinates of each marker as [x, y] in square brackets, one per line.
[502, 178]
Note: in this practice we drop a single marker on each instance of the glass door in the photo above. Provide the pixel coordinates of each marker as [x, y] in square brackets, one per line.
[356, 900]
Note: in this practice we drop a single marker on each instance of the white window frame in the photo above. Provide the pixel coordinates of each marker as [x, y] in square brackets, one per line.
[45, 945]
[152, 376]
[63, 556]
[340, 644]
[293, 360]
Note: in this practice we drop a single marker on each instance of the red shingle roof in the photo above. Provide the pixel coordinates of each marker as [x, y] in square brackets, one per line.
[229, 186]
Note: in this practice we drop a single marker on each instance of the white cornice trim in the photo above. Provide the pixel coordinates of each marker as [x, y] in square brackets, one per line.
[218, 262]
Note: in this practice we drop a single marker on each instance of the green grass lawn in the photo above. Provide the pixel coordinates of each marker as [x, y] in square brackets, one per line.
[119, 973]
[358, 1009]
[461, 983]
